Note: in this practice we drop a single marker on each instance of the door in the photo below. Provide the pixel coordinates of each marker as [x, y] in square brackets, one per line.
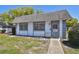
[13, 30]
[55, 29]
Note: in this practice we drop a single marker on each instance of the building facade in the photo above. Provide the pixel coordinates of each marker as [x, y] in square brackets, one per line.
[44, 25]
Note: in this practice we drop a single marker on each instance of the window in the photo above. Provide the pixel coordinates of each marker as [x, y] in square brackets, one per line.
[55, 26]
[23, 26]
[39, 26]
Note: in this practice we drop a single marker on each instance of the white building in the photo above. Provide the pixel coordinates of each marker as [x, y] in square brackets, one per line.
[50, 24]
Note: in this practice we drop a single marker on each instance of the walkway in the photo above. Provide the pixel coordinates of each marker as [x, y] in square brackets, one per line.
[55, 47]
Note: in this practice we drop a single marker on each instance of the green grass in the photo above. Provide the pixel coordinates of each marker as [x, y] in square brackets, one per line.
[71, 51]
[18, 45]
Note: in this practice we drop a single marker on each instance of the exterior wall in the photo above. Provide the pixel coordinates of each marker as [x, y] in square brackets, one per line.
[1, 28]
[39, 33]
[64, 30]
[48, 29]
[17, 29]
[60, 28]
[30, 28]
[31, 32]
[8, 30]
[23, 33]
[46, 33]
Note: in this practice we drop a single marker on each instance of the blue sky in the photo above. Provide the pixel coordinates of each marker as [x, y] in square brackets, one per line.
[72, 9]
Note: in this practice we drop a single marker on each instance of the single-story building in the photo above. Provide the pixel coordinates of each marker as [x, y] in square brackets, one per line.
[50, 24]
[5, 28]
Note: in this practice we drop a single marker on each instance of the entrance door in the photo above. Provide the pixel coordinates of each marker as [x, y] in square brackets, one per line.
[55, 29]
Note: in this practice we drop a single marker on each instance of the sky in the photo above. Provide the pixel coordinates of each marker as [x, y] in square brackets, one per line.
[72, 9]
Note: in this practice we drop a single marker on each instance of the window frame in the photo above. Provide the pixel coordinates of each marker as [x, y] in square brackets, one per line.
[55, 26]
[39, 26]
[23, 26]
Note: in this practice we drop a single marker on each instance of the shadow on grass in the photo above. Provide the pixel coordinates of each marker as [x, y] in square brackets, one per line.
[66, 43]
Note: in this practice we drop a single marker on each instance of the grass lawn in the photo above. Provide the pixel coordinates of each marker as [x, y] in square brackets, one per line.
[70, 49]
[22, 45]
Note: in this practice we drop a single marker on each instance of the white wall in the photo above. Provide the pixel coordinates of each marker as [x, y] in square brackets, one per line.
[46, 33]
[48, 29]
[23, 33]
[1, 28]
[30, 29]
[61, 28]
[8, 30]
[17, 29]
[39, 33]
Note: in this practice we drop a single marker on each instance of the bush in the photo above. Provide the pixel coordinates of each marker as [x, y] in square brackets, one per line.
[2, 31]
[74, 38]
[74, 35]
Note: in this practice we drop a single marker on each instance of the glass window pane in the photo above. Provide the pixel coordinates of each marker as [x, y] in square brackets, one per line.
[39, 25]
[23, 26]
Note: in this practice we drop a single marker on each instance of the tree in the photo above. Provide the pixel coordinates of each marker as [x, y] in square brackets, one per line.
[27, 11]
[11, 14]
[73, 31]
[21, 11]
[71, 22]
[74, 35]
[6, 18]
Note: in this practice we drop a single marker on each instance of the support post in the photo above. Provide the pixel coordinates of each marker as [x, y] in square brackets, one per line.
[61, 28]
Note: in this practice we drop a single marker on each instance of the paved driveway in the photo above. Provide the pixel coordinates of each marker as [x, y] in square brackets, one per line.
[55, 47]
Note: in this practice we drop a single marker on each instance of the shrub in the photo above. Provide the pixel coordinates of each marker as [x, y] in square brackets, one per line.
[2, 31]
[74, 35]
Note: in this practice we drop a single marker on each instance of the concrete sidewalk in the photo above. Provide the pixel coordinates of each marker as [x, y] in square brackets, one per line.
[55, 47]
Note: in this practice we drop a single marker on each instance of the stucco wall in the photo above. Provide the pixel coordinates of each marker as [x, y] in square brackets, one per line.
[30, 29]
[46, 33]
[31, 32]
[23, 33]
[64, 30]
[39, 33]
[1, 28]
[48, 29]
[8, 30]
[17, 29]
